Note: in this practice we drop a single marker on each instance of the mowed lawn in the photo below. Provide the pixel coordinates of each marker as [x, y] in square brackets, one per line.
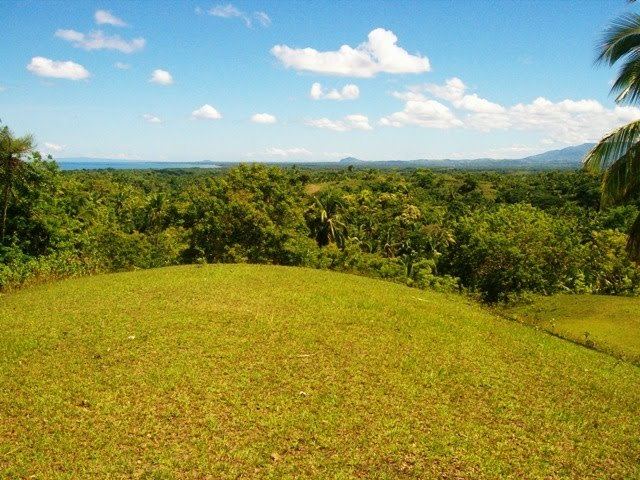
[607, 323]
[238, 371]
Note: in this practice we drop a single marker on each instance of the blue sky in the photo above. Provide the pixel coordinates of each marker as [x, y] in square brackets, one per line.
[233, 81]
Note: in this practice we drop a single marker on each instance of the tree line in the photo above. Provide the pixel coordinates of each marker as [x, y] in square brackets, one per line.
[494, 235]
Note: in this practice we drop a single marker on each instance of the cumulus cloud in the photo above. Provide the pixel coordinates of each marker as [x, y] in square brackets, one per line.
[97, 40]
[45, 67]
[380, 53]
[569, 121]
[424, 113]
[104, 17]
[161, 77]
[122, 66]
[151, 118]
[348, 92]
[53, 147]
[350, 122]
[206, 112]
[230, 11]
[263, 118]
[454, 90]
[564, 122]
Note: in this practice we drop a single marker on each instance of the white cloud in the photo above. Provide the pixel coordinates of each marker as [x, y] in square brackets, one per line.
[262, 18]
[225, 11]
[122, 66]
[348, 92]
[53, 147]
[97, 40]
[350, 122]
[284, 152]
[511, 151]
[2, 88]
[45, 67]
[570, 121]
[316, 91]
[230, 11]
[161, 77]
[106, 18]
[564, 122]
[424, 113]
[206, 112]
[263, 118]
[452, 90]
[112, 156]
[410, 95]
[151, 118]
[379, 53]
[474, 103]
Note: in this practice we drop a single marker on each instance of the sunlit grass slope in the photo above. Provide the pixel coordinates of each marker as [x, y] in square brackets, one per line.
[607, 323]
[253, 371]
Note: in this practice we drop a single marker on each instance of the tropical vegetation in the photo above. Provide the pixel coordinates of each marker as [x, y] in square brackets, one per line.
[494, 235]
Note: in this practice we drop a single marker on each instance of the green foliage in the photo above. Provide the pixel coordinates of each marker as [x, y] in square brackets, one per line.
[515, 248]
[252, 214]
[618, 153]
[620, 42]
[495, 235]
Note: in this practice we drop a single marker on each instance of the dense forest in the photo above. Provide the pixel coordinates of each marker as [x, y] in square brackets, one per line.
[495, 235]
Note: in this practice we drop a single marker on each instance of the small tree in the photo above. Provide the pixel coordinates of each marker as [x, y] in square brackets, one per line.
[12, 166]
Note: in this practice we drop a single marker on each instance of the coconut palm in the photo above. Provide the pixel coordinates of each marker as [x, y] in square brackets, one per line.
[325, 222]
[12, 166]
[618, 153]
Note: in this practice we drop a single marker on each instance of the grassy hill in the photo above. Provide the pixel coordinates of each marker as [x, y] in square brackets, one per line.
[607, 323]
[241, 371]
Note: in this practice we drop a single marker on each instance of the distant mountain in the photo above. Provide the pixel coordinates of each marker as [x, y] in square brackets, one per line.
[351, 161]
[570, 155]
[565, 158]
[569, 158]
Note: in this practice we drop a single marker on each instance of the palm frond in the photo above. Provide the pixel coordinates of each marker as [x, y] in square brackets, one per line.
[621, 181]
[613, 146]
[627, 83]
[621, 38]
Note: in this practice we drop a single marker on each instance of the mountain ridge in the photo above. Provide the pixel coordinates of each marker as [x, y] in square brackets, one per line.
[565, 158]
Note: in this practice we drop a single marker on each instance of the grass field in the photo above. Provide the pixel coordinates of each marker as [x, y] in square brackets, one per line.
[606, 323]
[244, 371]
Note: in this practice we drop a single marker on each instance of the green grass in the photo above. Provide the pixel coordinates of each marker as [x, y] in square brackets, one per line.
[244, 371]
[607, 323]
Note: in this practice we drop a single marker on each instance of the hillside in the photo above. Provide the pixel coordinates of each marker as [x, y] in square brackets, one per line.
[569, 158]
[238, 371]
[607, 323]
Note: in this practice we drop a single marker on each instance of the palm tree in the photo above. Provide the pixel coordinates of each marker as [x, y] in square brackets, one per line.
[618, 153]
[325, 222]
[12, 165]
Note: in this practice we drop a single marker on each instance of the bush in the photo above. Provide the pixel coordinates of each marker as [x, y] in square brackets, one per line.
[514, 248]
